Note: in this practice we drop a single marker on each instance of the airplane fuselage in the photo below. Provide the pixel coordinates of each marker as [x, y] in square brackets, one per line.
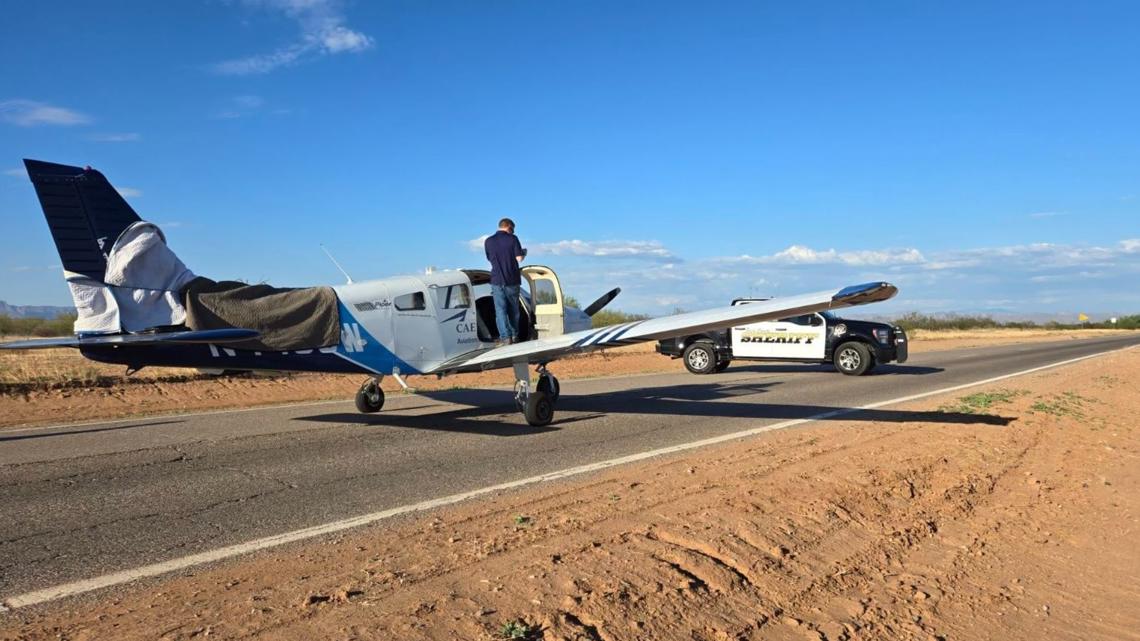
[406, 325]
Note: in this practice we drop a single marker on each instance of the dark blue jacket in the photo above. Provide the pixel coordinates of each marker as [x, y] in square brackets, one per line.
[502, 247]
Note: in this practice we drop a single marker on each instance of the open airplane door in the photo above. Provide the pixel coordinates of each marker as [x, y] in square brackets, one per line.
[546, 298]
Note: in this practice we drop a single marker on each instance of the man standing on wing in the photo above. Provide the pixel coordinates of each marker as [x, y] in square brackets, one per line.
[505, 253]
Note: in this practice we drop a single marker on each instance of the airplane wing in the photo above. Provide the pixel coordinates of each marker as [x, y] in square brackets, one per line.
[200, 336]
[548, 349]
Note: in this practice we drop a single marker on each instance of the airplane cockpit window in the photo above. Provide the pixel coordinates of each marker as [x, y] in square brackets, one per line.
[410, 302]
[453, 297]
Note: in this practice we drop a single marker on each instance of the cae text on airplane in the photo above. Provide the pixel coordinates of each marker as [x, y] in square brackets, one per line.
[139, 305]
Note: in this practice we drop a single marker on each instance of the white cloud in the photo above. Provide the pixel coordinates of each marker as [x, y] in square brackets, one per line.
[1047, 214]
[119, 137]
[36, 268]
[801, 255]
[29, 113]
[1068, 276]
[249, 101]
[1012, 279]
[240, 107]
[1006, 279]
[642, 249]
[263, 63]
[323, 32]
[16, 172]
[476, 244]
[129, 192]
[339, 39]
[1034, 256]
[632, 249]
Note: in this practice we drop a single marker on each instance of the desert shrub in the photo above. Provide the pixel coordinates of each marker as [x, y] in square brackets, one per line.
[914, 320]
[58, 326]
[1128, 322]
[608, 317]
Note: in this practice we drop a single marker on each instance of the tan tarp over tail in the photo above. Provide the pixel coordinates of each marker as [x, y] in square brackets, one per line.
[288, 319]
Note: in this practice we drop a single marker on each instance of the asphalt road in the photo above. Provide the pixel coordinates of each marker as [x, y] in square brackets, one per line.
[84, 500]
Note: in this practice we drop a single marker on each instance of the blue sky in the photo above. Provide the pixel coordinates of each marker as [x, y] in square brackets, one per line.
[981, 157]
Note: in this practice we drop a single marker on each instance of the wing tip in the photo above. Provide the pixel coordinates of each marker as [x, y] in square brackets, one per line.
[865, 293]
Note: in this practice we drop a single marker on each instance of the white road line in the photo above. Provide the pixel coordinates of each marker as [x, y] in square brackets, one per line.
[126, 576]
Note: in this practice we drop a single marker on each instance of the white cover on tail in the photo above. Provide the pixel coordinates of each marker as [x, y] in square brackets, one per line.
[95, 306]
[142, 282]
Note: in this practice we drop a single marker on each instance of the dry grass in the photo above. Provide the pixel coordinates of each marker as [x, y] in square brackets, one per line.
[54, 366]
[982, 334]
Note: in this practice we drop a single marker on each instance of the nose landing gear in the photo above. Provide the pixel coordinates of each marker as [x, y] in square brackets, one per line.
[537, 404]
[370, 398]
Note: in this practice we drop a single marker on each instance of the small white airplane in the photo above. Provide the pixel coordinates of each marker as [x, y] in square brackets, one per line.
[138, 305]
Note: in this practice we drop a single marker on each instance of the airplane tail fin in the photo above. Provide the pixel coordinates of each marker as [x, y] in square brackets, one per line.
[122, 275]
[83, 211]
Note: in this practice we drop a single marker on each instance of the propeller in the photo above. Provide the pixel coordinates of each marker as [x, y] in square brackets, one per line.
[597, 305]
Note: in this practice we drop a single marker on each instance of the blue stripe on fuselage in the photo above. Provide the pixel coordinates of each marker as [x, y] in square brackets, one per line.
[359, 346]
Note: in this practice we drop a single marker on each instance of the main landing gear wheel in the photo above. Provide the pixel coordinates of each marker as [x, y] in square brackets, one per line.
[539, 409]
[370, 398]
[548, 385]
[537, 403]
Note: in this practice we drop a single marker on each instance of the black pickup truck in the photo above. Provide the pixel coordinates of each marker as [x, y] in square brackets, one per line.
[854, 346]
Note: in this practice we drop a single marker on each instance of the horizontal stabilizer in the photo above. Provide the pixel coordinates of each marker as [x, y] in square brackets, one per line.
[201, 336]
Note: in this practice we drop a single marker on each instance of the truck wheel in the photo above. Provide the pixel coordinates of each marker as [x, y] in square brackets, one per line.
[700, 357]
[852, 358]
[721, 366]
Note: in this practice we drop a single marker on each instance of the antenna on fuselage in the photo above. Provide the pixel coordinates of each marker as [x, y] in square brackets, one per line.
[346, 276]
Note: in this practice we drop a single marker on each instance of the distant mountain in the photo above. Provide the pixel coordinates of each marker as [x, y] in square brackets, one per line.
[33, 311]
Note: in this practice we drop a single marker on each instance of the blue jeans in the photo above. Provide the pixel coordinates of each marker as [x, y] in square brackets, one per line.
[506, 309]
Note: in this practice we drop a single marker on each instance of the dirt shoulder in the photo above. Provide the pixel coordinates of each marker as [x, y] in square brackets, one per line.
[1003, 512]
[55, 386]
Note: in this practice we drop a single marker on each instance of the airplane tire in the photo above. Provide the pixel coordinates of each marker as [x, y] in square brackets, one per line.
[852, 358]
[539, 409]
[369, 398]
[700, 357]
[550, 386]
[721, 366]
